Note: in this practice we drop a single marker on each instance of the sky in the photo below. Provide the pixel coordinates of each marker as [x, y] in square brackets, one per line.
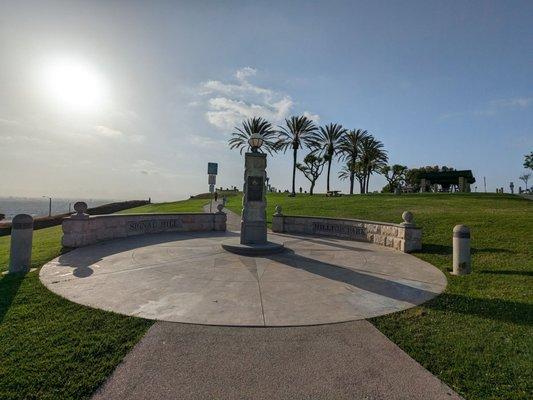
[130, 100]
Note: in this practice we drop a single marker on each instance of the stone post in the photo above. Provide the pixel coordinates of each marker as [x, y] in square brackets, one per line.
[76, 227]
[21, 241]
[220, 219]
[408, 219]
[462, 264]
[277, 220]
[253, 224]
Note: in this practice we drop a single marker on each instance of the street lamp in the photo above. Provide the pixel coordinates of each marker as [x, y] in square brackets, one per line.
[255, 141]
[49, 205]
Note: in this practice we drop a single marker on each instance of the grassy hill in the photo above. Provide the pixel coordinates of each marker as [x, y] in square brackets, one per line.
[477, 336]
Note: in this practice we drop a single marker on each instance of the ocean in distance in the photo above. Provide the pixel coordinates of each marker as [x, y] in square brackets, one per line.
[38, 207]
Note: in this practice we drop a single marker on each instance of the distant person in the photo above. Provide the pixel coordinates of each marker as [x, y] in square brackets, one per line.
[224, 200]
[216, 196]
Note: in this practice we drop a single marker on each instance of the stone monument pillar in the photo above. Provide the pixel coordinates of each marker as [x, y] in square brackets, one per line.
[253, 223]
[253, 240]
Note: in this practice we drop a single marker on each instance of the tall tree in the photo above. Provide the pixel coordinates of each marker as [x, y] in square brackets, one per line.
[373, 158]
[350, 149]
[354, 170]
[394, 175]
[525, 178]
[240, 135]
[528, 161]
[325, 142]
[296, 133]
[312, 167]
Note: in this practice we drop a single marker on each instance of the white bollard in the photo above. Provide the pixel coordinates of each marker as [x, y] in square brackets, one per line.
[462, 263]
[21, 240]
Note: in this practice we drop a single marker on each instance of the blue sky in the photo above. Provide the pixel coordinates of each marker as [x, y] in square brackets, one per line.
[447, 83]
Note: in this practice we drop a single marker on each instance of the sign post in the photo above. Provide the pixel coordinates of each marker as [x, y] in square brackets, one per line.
[212, 170]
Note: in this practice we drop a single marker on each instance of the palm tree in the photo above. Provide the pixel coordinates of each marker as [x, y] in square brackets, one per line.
[250, 126]
[325, 141]
[354, 170]
[350, 149]
[295, 134]
[311, 168]
[373, 158]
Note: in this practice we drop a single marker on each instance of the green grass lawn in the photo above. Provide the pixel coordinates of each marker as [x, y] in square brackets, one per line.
[51, 348]
[477, 336]
[191, 205]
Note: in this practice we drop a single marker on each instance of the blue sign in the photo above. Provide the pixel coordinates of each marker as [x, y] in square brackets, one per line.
[212, 168]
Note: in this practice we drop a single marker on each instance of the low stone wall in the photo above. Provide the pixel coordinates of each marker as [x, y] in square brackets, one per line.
[404, 237]
[54, 220]
[82, 230]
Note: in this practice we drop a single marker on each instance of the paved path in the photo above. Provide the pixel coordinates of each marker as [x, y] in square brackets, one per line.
[233, 222]
[340, 361]
[350, 360]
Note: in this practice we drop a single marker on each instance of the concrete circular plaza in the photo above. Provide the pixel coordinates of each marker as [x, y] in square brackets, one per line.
[189, 278]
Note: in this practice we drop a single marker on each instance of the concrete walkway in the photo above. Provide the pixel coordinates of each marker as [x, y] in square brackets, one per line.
[340, 361]
[233, 222]
[350, 360]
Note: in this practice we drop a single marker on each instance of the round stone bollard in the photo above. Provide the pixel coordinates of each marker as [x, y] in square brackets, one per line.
[21, 240]
[462, 263]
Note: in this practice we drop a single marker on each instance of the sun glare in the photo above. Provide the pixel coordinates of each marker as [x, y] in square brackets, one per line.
[74, 85]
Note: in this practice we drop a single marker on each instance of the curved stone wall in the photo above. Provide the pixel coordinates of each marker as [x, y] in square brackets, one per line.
[82, 230]
[404, 237]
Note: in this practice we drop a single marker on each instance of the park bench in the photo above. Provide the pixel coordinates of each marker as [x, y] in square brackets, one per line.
[333, 193]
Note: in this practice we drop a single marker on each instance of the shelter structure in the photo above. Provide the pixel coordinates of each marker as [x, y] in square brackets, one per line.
[448, 181]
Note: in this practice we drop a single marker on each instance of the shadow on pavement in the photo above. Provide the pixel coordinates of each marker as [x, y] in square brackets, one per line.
[383, 287]
[81, 259]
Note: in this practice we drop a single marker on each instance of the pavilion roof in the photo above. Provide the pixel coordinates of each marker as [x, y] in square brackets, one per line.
[448, 177]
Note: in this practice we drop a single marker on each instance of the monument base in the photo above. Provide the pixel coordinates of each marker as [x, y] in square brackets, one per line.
[234, 246]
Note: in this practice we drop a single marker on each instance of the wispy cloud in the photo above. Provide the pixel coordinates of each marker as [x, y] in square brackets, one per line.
[231, 102]
[494, 107]
[5, 121]
[147, 167]
[107, 132]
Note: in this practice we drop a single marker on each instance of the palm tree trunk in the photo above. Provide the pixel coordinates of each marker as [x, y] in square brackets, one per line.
[352, 176]
[329, 168]
[294, 157]
[367, 180]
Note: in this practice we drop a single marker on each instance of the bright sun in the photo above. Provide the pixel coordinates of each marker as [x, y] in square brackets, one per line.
[74, 85]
